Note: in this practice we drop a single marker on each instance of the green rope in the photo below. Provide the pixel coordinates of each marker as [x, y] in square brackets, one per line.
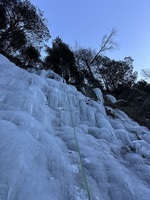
[78, 150]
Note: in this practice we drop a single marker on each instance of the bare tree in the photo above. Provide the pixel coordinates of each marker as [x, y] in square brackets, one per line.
[107, 44]
[89, 58]
[146, 73]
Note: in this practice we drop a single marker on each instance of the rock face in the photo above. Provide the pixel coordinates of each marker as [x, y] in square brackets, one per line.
[137, 107]
[135, 103]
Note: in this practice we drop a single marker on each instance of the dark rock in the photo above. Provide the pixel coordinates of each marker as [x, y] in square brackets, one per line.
[137, 105]
[122, 103]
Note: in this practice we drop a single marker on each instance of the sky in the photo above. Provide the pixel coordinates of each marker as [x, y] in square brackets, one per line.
[87, 21]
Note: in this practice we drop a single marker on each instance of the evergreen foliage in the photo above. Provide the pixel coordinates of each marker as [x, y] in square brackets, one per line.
[117, 73]
[143, 86]
[60, 58]
[21, 25]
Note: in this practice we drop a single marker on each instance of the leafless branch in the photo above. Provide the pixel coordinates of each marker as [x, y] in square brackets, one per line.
[107, 43]
[146, 73]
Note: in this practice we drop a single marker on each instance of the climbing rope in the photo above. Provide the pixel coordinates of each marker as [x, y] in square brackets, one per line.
[78, 149]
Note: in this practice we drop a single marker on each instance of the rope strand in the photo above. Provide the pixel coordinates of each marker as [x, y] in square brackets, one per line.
[78, 150]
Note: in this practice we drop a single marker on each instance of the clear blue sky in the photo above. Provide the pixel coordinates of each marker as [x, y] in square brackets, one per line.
[86, 21]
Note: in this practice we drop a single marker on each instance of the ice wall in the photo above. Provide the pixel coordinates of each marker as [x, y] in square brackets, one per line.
[39, 159]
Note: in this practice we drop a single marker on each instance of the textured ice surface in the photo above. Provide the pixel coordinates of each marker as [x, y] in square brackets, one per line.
[38, 152]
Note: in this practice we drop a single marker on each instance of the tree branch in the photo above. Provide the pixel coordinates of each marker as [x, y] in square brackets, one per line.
[107, 44]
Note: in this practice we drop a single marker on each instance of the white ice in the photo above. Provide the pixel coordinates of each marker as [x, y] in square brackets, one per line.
[111, 98]
[39, 160]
